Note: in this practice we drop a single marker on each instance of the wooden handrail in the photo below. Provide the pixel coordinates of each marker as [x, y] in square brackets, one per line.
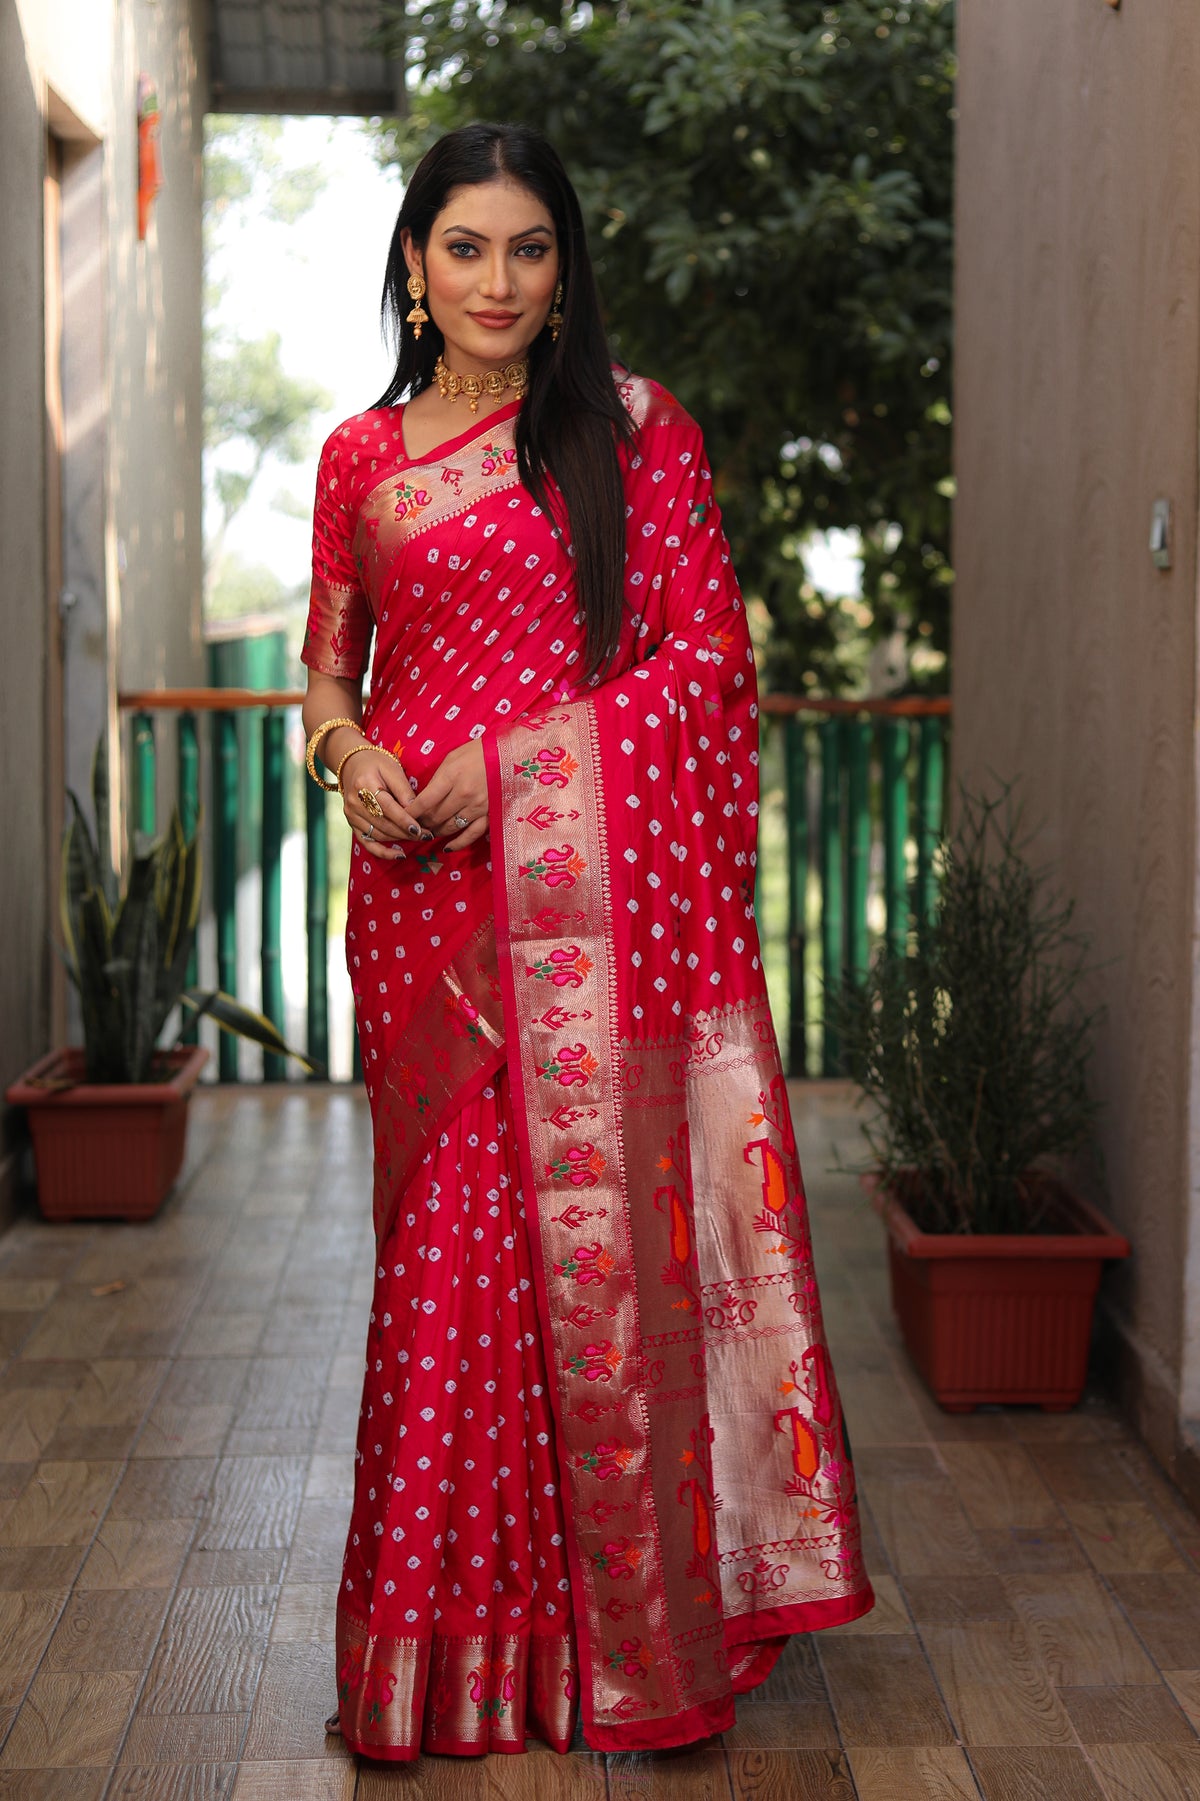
[233, 700]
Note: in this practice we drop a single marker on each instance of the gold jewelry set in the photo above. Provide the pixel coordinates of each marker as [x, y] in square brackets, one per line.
[492, 382]
[368, 797]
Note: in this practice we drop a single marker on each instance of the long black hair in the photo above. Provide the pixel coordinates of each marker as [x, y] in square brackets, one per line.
[572, 422]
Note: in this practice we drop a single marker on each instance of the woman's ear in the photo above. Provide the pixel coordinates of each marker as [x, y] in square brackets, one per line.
[412, 255]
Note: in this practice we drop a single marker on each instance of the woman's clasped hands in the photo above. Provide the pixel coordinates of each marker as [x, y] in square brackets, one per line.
[388, 818]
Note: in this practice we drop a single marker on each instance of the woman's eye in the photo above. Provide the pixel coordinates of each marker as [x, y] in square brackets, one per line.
[533, 253]
[459, 249]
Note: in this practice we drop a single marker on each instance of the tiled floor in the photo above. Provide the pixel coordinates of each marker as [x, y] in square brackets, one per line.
[177, 1407]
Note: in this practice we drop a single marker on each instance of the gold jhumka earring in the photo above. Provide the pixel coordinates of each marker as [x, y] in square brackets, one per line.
[416, 293]
[554, 319]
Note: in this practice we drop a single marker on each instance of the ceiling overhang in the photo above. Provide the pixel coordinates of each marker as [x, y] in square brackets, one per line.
[299, 56]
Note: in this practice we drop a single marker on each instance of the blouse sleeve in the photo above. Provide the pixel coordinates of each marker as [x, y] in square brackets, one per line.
[338, 635]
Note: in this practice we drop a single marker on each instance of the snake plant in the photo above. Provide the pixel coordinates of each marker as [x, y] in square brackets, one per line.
[128, 945]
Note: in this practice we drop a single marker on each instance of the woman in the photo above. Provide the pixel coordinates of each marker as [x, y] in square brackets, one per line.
[601, 1464]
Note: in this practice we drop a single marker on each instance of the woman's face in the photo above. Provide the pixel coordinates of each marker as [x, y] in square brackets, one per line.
[490, 268]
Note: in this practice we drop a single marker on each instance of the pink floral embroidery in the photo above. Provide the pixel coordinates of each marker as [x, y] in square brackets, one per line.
[560, 868]
[497, 457]
[582, 1166]
[618, 1559]
[587, 1265]
[609, 1460]
[595, 1363]
[553, 768]
[571, 1066]
[411, 499]
[631, 1657]
[566, 966]
[462, 1017]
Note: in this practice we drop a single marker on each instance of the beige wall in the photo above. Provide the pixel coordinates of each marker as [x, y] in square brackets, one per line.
[1074, 659]
[132, 405]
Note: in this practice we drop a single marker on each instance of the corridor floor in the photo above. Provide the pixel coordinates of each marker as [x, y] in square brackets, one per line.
[177, 1410]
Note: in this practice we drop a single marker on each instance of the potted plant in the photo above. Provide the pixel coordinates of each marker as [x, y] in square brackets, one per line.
[109, 1120]
[973, 1051]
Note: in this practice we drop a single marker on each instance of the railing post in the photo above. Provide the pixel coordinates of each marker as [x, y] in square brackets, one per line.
[832, 941]
[225, 815]
[273, 803]
[795, 753]
[317, 883]
[930, 786]
[857, 734]
[188, 751]
[145, 810]
[893, 758]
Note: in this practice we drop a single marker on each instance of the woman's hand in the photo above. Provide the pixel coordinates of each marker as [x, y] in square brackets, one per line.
[386, 780]
[456, 791]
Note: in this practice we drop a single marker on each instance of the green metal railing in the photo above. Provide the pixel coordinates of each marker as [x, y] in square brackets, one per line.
[863, 804]
[863, 795]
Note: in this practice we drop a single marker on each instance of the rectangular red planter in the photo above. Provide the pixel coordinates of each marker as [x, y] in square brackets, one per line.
[105, 1151]
[997, 1318]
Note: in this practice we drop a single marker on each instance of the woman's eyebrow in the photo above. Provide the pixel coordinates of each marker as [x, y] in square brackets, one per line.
[464, 231]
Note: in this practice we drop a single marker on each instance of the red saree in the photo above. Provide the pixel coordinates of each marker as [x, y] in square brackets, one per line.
[601, 1461]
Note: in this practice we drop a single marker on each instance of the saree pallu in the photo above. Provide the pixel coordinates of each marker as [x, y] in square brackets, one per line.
[627, 1498]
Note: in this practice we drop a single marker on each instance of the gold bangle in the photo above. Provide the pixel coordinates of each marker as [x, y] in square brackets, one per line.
[353, 752]
[310, 754]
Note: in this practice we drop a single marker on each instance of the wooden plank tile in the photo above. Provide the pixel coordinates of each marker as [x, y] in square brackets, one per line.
[320, 1539]
[1165, 1612]
[253, 1504]
[62, 1505]
[929, 1773]
[1034, 1773]
[33, 1295]
[995, 1685]
[117, 1391]
[796, 1676]
[296, 1690]
[919, 1516]
[219, 1333]
[332, 1781]
[305, 1614]
[186, 1738]
[39, 1566]
[90, 1444]
[1123, 1536]
[879, 1409]
[52, 1785]
[698, 1773]
[999, 1486]
[1083, 1472]
[173, 1782]
[888, 1615]
[956, 1600]
[783, 1726]
[164, 1488]
[1185, 1686]
[70, 1721]
[1148, 1772]
[27, 1623]
[233, 1569]
[137, 1554]
[108, 1629]
[1080, 1637]
[210, 1652]
[28, 1421]
[789, 1776]
[330, 1479]
[203, 1382]
[1126, 1716]
[1040, 1552]
[883, 1692]
[185, 1431]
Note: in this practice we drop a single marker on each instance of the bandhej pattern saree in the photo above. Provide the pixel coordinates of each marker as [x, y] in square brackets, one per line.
[602, 1470]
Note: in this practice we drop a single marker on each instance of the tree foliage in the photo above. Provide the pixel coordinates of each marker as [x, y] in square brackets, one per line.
[768, 194]
[252, 405]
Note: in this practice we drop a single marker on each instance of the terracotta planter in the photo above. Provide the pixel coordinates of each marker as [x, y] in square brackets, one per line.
[106, 1151]
[1002, 1319]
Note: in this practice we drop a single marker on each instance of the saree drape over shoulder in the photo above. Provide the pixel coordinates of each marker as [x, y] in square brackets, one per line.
[601, 1467]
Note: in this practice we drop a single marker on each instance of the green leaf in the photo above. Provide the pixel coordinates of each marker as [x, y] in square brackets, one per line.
[243, 1022]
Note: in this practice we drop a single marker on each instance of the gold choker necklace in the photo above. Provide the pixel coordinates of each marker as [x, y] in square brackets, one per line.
[492, 381]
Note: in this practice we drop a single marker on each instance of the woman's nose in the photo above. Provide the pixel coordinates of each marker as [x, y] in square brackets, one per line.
[497, 281]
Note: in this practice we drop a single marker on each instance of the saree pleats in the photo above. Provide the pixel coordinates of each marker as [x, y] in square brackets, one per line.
[454, 1618]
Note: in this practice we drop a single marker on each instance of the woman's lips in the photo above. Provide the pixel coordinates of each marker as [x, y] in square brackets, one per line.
[496, 321]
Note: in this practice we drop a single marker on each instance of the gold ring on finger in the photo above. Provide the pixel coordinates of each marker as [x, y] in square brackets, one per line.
[370, 803]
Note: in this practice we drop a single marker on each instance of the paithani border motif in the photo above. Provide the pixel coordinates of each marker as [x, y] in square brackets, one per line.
[789, 1533]
[333, 640]
[553, 915]
[453, 1043]
[416, 497]
[589, 1108]
[398, 1697]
